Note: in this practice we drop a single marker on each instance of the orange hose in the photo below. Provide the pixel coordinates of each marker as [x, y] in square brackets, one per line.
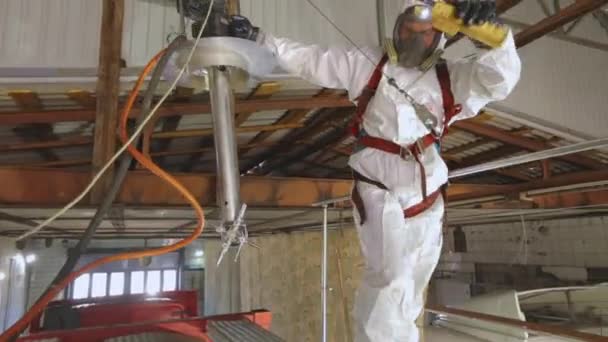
[155, 169]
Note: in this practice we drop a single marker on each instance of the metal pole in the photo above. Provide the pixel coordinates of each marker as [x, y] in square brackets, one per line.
[324, 277]
[531, 157]
[222, 108]
[380, 16]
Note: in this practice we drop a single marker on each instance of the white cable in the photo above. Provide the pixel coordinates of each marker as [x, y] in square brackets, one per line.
[137, 132]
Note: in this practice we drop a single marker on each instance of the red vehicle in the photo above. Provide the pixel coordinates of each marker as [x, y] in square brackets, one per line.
[171, 316]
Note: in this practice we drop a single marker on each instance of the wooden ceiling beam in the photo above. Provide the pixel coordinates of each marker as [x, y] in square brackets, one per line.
[55, 187]
[295, 116]
[70, 141]
[262, 91]
[571, 199]
[554, 182]
[170, 109]
[59, 142]
[468, 146]
[524, 143]
[209, 131]
[552, 23]
[157, 155]
[500, 152]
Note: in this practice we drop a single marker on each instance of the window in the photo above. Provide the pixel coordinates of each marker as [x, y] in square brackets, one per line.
[81, 287]
[169, 280]
[153, 282]
[99, 285]
[117, 283]
[137, 282]
[102, 284]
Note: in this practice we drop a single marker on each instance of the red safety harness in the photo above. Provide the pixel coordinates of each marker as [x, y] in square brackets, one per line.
[413, 151]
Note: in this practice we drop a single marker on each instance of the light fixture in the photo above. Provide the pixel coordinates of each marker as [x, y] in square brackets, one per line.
[30, 258]
[2, 276]
[198, 253]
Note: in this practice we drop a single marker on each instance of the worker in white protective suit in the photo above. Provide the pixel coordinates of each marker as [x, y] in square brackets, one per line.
[404, 107]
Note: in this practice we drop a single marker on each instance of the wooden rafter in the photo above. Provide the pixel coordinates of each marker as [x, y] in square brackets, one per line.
[329, 138]
[293, 116]
[209, 131]
[493, 154]
[466, 147]
[156, 155]
[554, 182]
[170, 109]
[261, 92]
[550, 24]
[55, 187]
[524, 143]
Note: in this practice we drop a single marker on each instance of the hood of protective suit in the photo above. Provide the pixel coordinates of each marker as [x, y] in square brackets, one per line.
[416, 44]
[409, 3]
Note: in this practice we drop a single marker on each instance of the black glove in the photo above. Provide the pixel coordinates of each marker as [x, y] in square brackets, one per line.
[241, 27]
[476, 12]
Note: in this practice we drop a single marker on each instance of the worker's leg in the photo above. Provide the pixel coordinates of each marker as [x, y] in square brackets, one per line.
[400, 257]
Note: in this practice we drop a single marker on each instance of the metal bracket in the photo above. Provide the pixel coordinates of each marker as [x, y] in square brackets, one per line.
[237, 232]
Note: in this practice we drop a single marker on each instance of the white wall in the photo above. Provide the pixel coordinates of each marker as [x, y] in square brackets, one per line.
[223, 282]
[578, 242]
[65, 33]
[43, 271]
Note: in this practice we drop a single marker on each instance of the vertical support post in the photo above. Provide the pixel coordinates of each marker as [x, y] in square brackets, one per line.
[108, 84]
[222, 108]
[324, 278]
[233, 7]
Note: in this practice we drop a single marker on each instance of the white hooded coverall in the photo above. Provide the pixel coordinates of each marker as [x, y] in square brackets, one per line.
[400, 253]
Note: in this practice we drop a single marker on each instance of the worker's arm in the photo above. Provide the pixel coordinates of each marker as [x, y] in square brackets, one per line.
[332, 67]
[336, 68]
[488, 76]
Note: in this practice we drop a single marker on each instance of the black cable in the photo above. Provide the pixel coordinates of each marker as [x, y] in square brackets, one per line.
[75, 253]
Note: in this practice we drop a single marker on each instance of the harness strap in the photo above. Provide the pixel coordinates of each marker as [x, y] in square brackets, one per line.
[366, 95]
[391, 147]
[450, 108]
[407, 213]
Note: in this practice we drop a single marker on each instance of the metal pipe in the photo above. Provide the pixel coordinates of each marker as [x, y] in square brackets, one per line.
[530, 157]
[324, 277]
[539, 329]
[222, 108]
[381, 17]
[182, 17]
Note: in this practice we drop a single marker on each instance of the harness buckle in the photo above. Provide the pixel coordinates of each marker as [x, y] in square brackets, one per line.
[406, 154]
